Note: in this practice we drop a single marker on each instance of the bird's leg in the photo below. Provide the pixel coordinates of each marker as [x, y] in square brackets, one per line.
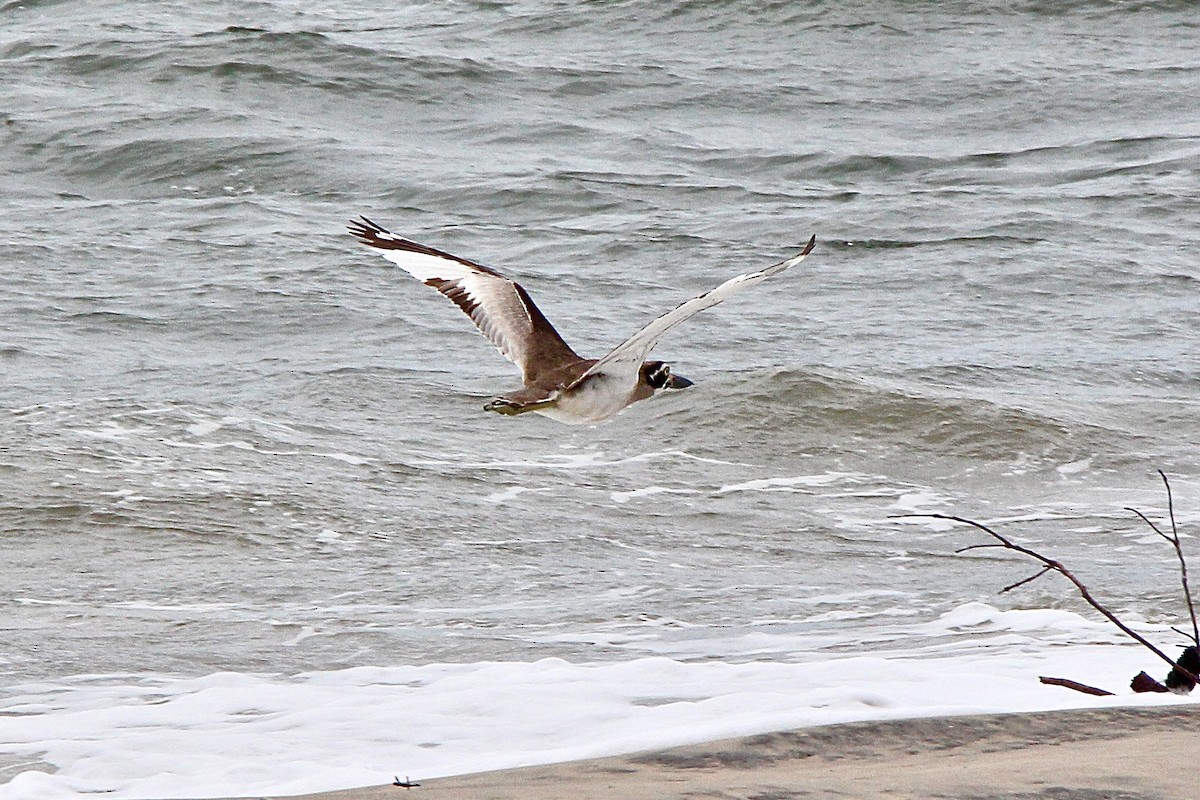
[502, 405]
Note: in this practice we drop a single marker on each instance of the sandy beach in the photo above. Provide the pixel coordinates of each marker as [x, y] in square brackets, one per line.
[1112, 754]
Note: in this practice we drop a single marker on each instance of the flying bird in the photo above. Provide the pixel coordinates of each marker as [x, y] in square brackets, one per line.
[558, 383]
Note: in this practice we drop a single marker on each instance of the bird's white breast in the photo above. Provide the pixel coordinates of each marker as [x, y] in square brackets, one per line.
[594, 401]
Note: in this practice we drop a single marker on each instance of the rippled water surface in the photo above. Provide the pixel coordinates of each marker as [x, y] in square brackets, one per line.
[231, 439]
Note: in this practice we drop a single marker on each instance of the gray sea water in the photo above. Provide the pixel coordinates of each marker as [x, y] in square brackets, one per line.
[231, 439]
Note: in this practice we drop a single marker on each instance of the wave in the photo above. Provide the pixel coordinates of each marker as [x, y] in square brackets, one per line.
[822, 414]
[1069, 162]
[252, 58]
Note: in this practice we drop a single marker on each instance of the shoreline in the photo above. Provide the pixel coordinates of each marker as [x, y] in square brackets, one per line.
[1121, 753]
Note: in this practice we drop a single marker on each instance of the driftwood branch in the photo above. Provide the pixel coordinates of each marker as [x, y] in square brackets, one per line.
[1079, 687]
[1143, 683]
[1051, 565]
[1182, 679]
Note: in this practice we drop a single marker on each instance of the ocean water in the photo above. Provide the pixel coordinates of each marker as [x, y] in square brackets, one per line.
[241, 453]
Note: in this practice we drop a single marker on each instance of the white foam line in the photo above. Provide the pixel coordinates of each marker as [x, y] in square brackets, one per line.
[784, 484]
[649, 491]
[512, 492]
[571, 462]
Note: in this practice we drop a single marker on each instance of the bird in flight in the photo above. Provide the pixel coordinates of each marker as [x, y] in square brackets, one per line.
[558, 383]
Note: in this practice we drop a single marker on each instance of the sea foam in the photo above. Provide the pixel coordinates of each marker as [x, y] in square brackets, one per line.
[235, 734]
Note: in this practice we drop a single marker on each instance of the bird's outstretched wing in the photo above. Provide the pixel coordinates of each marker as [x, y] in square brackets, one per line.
[623, 363]
[500, 308]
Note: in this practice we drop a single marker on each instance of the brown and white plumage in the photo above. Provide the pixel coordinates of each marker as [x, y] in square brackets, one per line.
[558, 382]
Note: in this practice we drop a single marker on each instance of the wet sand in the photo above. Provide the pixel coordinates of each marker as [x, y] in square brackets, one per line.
[1112, 754]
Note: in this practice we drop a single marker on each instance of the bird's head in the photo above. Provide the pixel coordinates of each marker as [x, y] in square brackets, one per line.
[657, 375]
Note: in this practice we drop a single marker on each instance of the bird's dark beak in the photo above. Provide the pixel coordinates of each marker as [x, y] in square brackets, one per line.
[678, 382]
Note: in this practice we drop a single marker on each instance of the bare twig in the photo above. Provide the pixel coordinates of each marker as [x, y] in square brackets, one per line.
[1057, 566]
[978, 547]
[1173, 538]
[1030, 579]
[1079, 687]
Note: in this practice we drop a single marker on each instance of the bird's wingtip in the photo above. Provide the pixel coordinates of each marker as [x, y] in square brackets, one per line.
[364, 225]
[369, 232]
[808, 247]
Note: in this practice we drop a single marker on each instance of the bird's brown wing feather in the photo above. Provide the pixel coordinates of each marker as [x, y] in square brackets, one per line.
[499, 307]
